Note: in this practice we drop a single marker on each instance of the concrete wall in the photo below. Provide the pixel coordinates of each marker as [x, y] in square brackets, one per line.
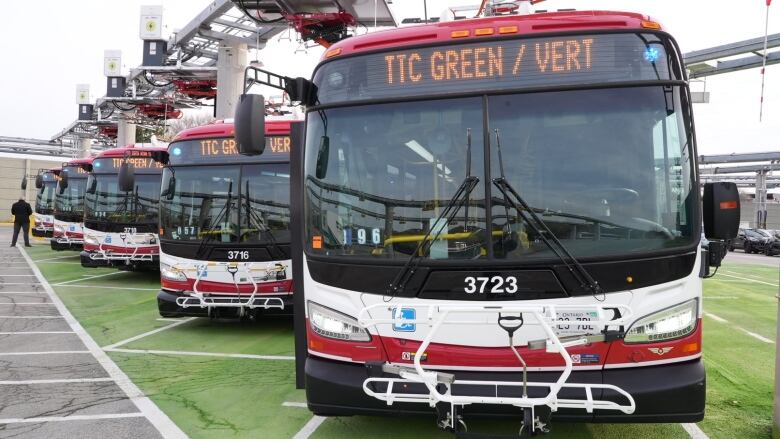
[12, 168]
[748, 212]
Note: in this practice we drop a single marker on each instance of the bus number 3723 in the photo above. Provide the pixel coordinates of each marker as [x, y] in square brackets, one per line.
[492, 285]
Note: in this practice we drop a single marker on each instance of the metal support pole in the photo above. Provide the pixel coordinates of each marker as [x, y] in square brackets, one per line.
[85, 147]
[760, 203]
[231, 61]
[125, 134]
[27, 172]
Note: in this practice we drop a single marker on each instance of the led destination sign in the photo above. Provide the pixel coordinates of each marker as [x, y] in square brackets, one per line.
[495, 65]
[225, 150]
[142, 164]
[75, 171]
[488, 61]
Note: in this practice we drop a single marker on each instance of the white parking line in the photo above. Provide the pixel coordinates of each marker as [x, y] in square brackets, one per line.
[58, 257]
[37, 332]
[88, 277]
[716, 318]
[101, 287]
[310, 427]
[69, 418]
[62, 381]
[752, 334]
[146, 334]
[756, 336]
[749, 280]
[156, 417]
[295, 404]
[694, 431]
[204, 354]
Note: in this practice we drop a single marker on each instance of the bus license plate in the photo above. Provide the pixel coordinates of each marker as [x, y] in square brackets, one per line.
[576, 327]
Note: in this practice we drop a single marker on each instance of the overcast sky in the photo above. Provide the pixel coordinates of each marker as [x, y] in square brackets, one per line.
[49, 46]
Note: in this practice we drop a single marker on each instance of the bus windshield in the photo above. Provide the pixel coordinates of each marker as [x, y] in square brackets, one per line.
[69, 204]
[44, 201]
[227, 204]
[109, 204]
[609, 170]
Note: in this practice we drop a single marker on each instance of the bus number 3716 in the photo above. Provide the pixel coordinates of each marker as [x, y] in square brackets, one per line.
[242, 255]
[492, 285]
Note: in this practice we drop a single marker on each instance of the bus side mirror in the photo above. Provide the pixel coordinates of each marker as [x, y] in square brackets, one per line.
[720, 207]
[24, 182]
[323, 155]
[38, 181]
[249, 124]
[63, 181]
[126, 178]
[91, 184]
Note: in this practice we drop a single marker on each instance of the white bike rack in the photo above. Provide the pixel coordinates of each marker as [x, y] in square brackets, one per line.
[104, 255]
[211, 300]
[440, 386]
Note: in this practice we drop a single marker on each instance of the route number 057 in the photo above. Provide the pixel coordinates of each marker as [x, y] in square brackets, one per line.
[492, 285]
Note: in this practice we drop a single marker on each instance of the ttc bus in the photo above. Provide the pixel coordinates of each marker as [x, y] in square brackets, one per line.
[224, 225]
[501, 216]
[68, 233]
[120, 223]
[46, 184]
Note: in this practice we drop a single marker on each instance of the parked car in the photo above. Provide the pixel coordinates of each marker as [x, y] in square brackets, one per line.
[773, 247]
[751, 241]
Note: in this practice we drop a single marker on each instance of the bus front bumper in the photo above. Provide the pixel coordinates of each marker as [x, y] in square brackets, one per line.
[665, 393]
[166, 304]
[42, 233]
[92, 259]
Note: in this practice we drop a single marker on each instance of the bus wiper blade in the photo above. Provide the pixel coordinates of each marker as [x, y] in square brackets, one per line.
[453, 206]
[225, 211]
[540, 228]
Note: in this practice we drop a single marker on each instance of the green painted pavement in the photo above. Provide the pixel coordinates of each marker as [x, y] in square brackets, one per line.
[223, 397]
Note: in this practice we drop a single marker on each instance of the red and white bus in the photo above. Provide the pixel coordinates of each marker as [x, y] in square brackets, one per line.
[224, 225]
[46, 185]
[68, 218]
[501, 216]
[121, 217]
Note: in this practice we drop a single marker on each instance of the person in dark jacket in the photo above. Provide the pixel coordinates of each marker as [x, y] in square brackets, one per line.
[21, 211]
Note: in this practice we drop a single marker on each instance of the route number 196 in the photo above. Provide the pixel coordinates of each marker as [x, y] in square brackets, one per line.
[492, 285]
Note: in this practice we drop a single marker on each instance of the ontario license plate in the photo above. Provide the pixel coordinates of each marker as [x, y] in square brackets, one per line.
[578, 323]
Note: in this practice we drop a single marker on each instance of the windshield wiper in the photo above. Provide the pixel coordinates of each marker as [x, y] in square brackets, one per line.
[540, 228]
[225, 211]
[460, 197]
[252, 215]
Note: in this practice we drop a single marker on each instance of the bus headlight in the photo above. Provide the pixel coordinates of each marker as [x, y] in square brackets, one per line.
[172, 274]
[675, 322]
[333, 324]
[91, 240]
